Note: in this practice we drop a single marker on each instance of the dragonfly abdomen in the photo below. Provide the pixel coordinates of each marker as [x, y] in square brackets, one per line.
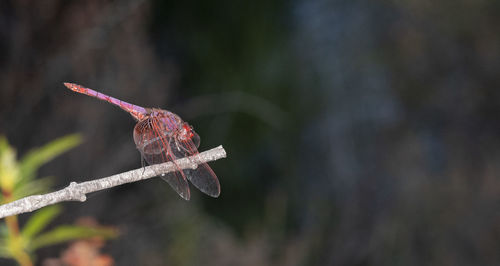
[136, 111]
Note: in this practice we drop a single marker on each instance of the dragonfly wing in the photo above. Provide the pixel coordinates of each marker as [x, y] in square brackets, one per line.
[152, 142]
[204, 179]
[155, 149]
[178, 182]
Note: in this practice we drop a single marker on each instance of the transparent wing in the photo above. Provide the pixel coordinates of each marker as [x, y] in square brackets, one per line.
[203, 177]
[178, 182]
[153, 144]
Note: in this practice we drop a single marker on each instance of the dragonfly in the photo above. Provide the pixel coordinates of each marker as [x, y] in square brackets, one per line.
[162, 136]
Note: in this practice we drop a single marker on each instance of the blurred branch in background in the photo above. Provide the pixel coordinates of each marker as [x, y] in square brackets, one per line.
[236, 101]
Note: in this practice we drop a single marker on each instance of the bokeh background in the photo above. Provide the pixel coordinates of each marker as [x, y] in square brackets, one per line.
[358, 132]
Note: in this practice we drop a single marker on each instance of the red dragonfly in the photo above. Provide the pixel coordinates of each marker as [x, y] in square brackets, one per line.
[162, 136]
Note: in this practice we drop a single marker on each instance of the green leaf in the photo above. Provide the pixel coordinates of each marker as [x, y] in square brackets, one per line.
[4, 234]
[4, 251]
[4, 144]
[9, 167]
[39, 221]
[39, 156]
[3, 230]
[36, 186]
[66, 233]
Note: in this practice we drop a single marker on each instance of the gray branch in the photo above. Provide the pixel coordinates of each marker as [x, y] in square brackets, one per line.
[77, 192]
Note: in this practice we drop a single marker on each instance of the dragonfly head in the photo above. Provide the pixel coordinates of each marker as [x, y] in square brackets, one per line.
[187, 133]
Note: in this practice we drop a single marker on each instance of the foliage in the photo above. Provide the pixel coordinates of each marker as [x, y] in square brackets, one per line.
[17, 180]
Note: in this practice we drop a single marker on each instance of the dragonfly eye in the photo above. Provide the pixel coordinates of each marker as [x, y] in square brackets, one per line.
[187, 133]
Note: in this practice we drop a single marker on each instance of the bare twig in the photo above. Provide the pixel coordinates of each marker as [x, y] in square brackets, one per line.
[77, 192]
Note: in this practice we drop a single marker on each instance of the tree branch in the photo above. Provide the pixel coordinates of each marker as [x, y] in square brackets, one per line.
[77, 192]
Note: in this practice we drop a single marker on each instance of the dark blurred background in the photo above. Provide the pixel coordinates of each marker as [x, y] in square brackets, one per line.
[358, 132]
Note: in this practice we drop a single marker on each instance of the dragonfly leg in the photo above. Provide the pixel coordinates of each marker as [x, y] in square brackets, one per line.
[143, 164]
[177, 144]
